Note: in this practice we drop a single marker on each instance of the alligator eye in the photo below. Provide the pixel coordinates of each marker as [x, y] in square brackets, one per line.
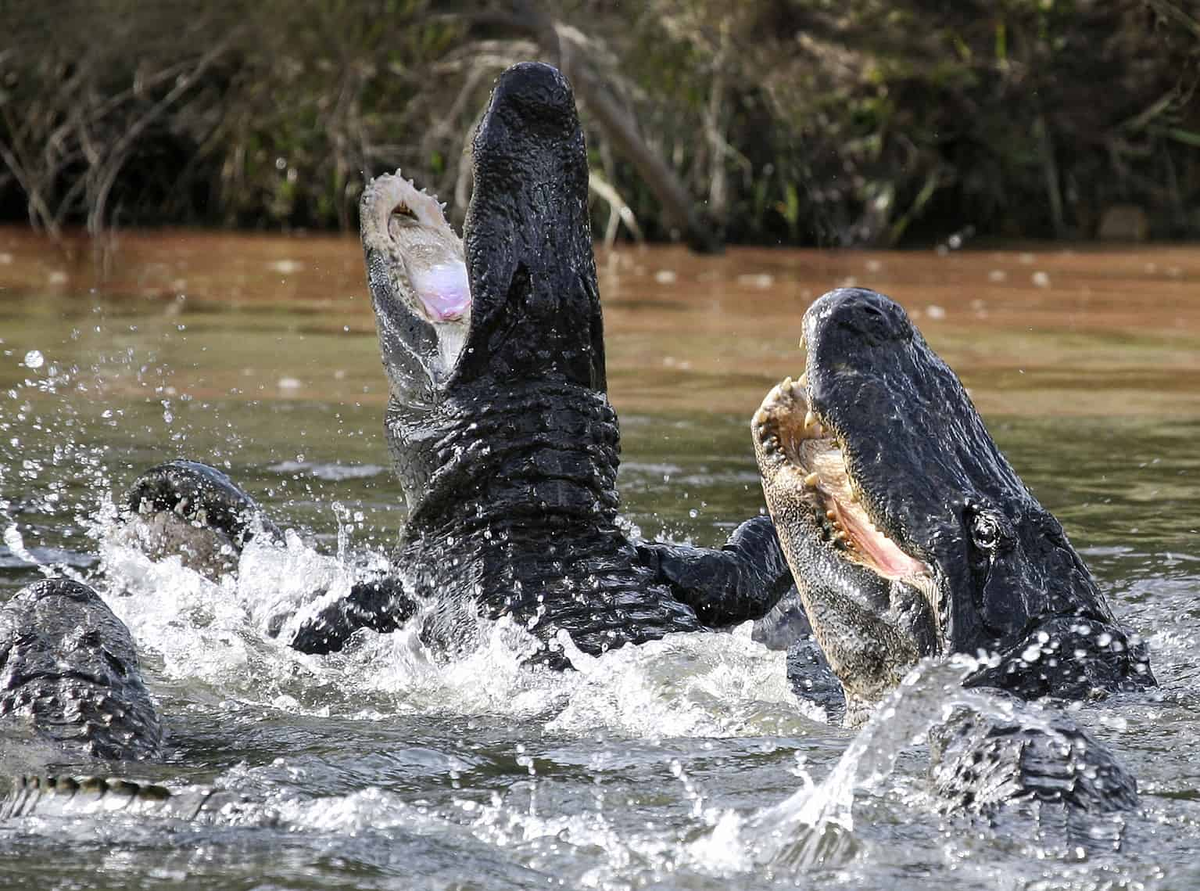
[986, 530]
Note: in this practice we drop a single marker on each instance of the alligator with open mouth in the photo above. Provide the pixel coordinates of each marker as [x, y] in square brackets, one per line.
[504, 443]
[910, 535]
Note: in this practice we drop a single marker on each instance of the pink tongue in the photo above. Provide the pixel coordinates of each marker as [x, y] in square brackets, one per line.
[444, 290]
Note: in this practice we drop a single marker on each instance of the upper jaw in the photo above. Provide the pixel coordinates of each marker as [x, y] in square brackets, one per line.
[924, 466]
[818, 431]
[528, 238]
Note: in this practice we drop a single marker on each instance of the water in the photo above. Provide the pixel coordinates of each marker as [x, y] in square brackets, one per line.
[684, 763]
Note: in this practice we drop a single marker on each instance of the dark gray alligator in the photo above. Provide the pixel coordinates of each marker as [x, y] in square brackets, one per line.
[71, 691]
[910, 535]
[69, 675]
[499, 427]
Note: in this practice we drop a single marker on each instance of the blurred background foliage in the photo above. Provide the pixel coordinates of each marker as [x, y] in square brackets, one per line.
[783, 121]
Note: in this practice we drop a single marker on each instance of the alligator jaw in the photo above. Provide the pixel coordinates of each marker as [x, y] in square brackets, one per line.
[418, 282]
[873, 607]
[789, 433]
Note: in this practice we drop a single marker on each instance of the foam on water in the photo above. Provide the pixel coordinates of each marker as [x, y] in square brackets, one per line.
[686, 685]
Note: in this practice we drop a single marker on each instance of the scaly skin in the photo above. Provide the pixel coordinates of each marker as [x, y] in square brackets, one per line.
[69, 675]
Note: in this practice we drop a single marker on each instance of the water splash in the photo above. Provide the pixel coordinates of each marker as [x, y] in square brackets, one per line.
[814, 827]
[686, 684]
[227, 635]
[15, 543]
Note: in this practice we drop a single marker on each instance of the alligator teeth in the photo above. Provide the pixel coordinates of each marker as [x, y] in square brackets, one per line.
[810, 420]
[812, 479]
[803, 379]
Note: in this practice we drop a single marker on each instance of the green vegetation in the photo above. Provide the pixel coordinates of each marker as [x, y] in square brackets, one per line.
[786, 121]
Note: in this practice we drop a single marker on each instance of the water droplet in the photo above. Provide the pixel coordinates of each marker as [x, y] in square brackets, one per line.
[35, 359]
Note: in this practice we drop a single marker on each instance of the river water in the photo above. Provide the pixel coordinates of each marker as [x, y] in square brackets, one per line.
[684, 763]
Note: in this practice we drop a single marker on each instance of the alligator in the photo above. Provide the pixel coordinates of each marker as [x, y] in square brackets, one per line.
[910, 535]
[504, 443]
[498, 422]
[69, 676]
[71, 692]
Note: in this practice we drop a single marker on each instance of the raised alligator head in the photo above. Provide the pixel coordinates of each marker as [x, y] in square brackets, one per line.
[908, 532]
[521, 303]
[69, 674]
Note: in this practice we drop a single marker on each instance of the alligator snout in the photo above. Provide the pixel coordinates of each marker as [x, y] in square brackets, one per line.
[535, 94]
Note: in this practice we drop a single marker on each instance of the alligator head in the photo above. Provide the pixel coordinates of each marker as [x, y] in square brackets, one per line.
[519, 306]
[69, 673]
[908, 532]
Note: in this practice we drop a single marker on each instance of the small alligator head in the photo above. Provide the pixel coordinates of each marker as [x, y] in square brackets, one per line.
[459, 329]
[908, 532]
[69, 673]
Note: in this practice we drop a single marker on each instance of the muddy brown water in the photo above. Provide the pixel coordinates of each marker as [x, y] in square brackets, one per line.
[385, 768]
